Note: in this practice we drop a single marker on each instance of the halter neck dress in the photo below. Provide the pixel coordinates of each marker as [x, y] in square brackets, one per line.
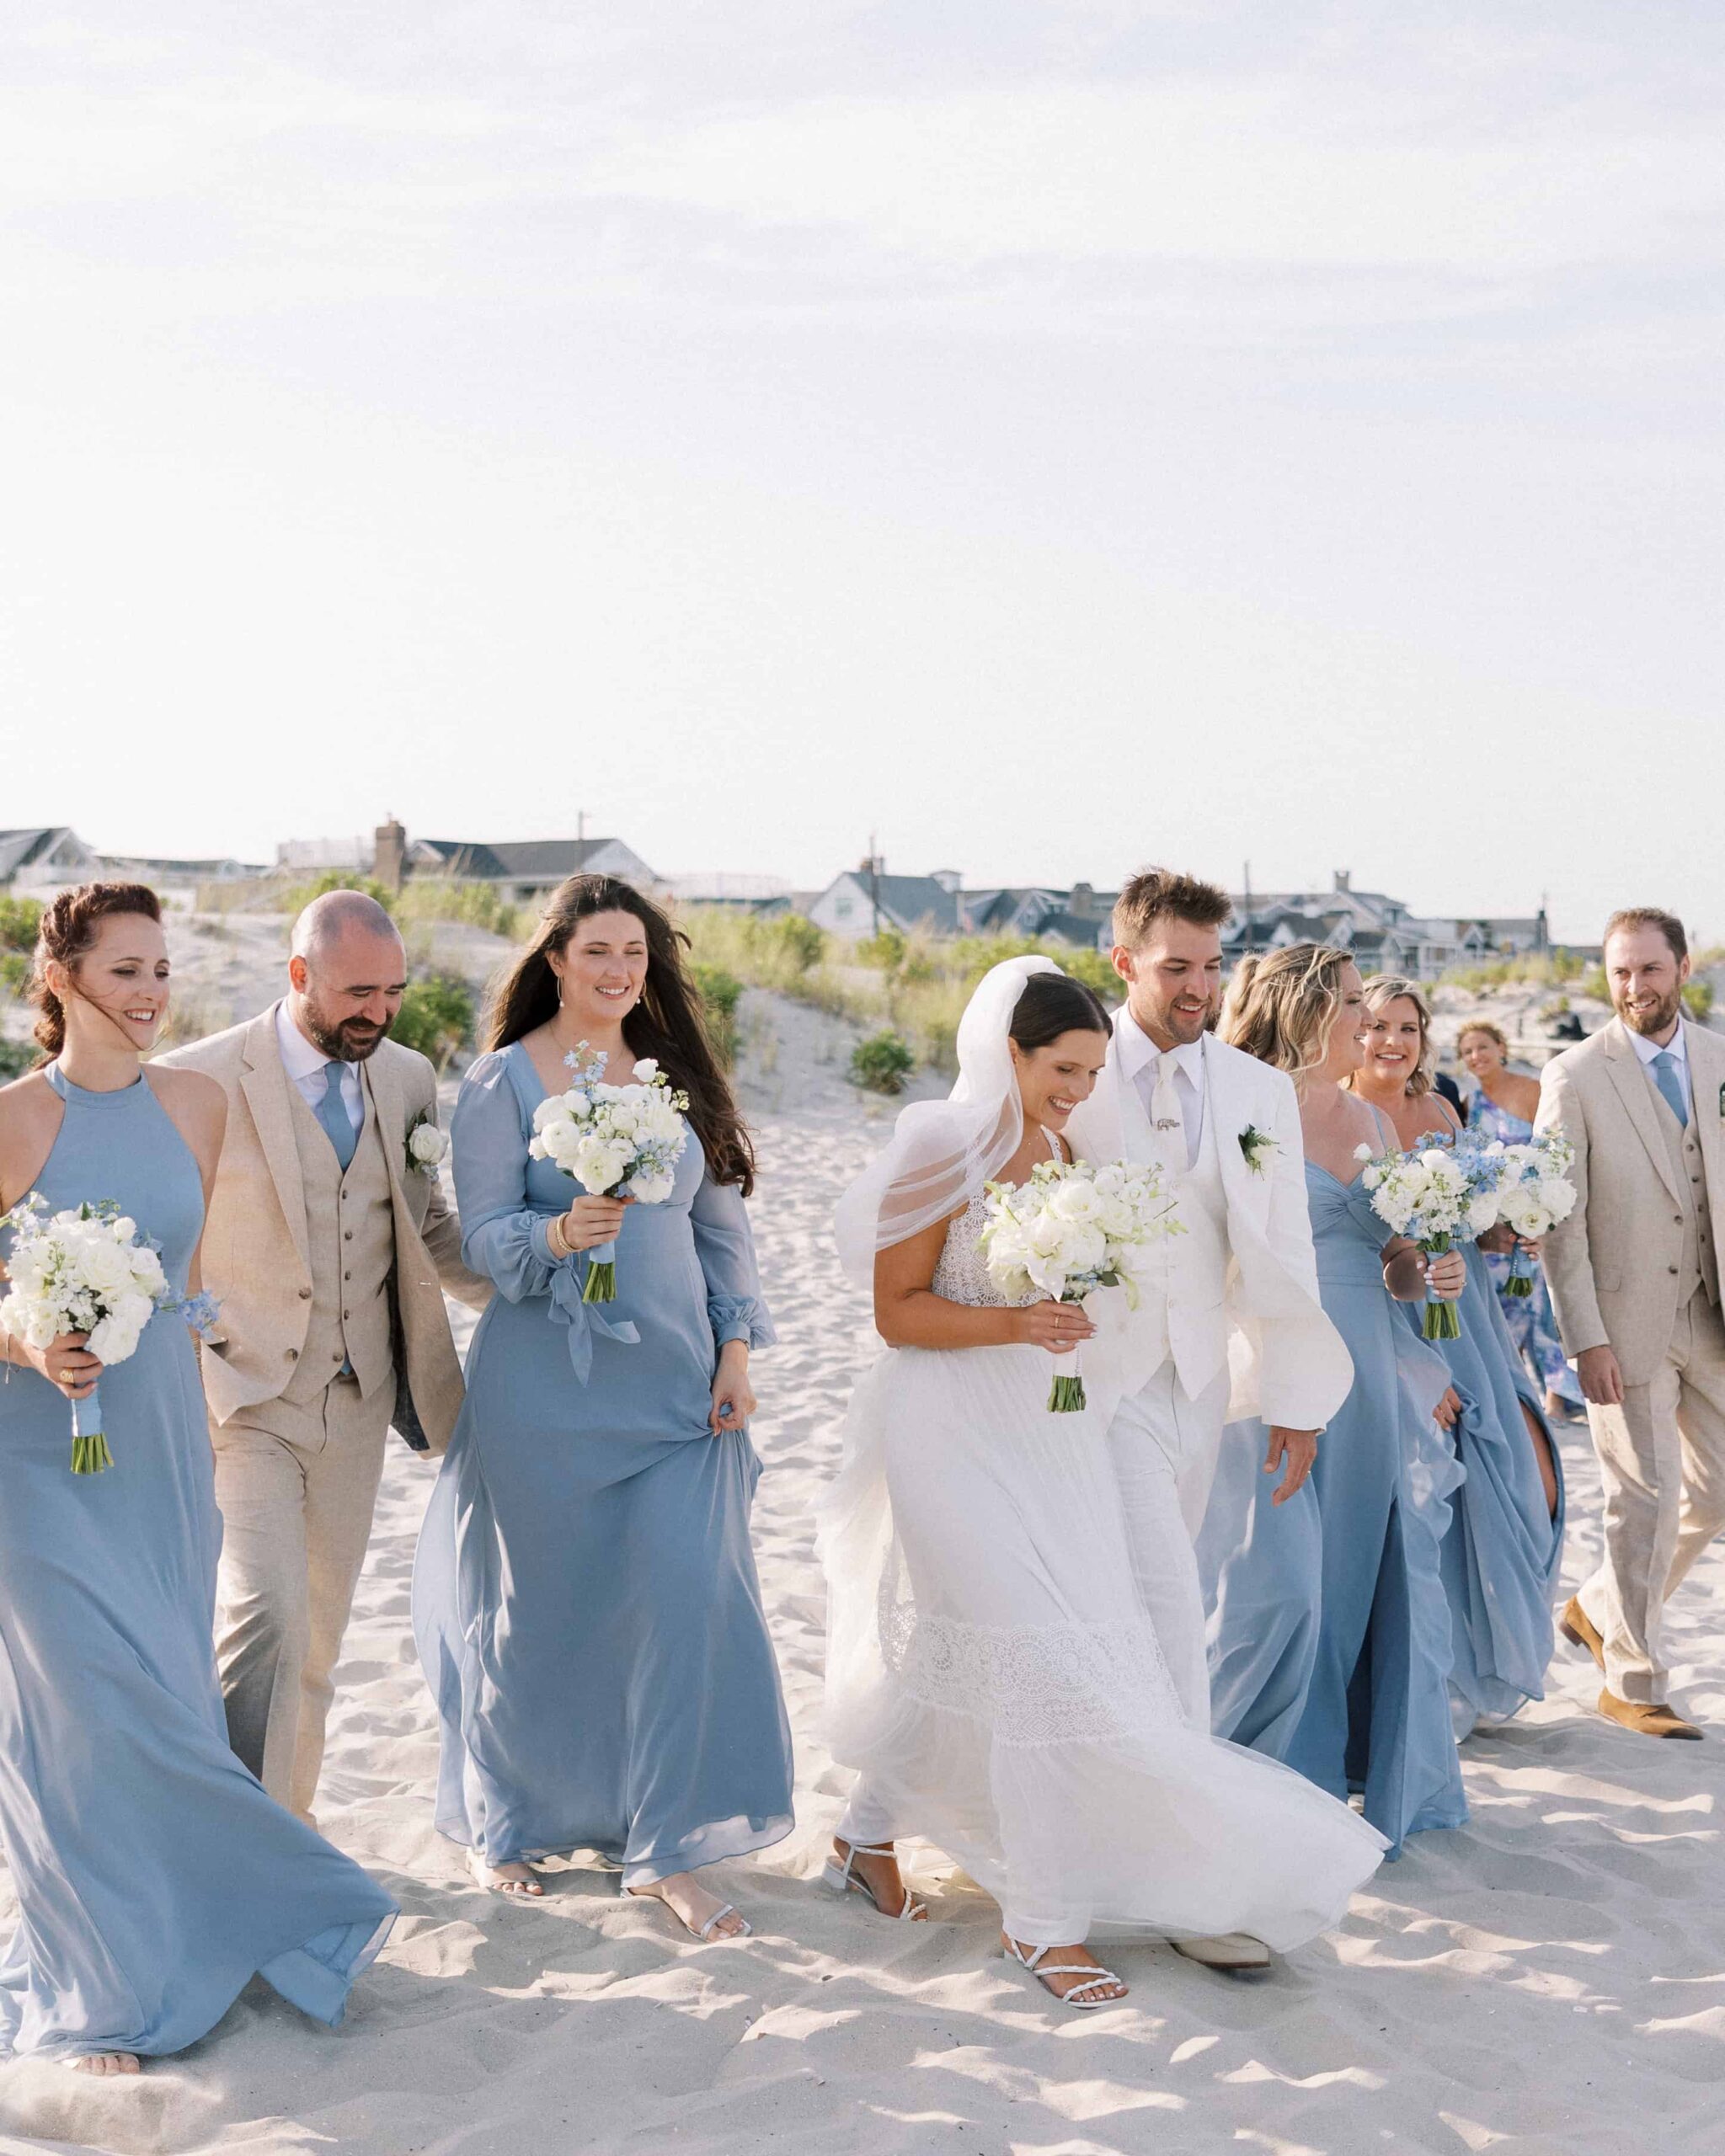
[153, 1877]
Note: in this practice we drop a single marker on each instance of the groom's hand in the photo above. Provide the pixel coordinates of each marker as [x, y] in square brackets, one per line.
[1294, 1452]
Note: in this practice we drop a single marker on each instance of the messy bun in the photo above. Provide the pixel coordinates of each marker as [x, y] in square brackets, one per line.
[70, 924]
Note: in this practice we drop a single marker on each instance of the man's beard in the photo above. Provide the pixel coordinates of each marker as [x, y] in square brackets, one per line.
[339, 1041]
[1647, 1023]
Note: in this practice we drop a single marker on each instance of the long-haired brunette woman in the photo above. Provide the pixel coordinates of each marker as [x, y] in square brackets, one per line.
[584, 1593]
[1370, 1709]
[154, 1876]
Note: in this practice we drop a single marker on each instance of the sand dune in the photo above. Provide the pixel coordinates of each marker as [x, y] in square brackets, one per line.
[1549, 1981]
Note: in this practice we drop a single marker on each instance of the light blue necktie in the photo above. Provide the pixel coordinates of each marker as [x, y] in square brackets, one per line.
[332, 1113]
[1670, 1085]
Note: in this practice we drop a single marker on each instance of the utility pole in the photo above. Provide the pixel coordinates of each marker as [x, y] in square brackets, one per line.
[1246, 898]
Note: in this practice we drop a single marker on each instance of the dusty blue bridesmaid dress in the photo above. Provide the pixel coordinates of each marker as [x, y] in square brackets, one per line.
[154, 1876]
[1330, 1636]
[584, 1593]
[1530, 1320]
[1503, 1550]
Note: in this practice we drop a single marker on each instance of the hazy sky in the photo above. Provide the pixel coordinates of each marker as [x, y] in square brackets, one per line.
[1056, 436]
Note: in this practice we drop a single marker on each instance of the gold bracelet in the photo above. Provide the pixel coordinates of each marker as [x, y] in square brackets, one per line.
[558, 1240]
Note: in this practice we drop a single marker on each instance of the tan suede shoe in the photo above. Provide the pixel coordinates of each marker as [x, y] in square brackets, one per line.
[1579, 1629]
[1658, 1720]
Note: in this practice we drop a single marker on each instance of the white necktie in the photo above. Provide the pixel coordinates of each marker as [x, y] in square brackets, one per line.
[1168, 1119]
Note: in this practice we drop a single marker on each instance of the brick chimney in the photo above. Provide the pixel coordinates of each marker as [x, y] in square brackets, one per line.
[389, 855]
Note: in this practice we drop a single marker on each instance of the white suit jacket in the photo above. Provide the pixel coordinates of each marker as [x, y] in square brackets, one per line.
[1288, 1362]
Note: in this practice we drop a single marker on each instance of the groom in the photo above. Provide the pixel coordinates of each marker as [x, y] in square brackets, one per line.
[325, 1244]
[1239, 1286]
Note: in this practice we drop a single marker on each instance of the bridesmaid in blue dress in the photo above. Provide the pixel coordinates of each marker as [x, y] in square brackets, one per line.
[154, 1877]
[584, 1593]
[1504, 1547]
[1330, 1639]
[1504, 1107]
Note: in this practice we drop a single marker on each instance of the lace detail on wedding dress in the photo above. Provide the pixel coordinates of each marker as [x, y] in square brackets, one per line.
[1036, 1684]
[961, 1273]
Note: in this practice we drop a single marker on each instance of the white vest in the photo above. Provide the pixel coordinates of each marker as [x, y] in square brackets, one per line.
[1184, 1293]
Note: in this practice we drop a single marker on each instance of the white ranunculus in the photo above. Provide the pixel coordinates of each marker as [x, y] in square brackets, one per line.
[646, 1070]
[653, 1190]
[553, 1105]
[598, 1166]
[1483, 1214]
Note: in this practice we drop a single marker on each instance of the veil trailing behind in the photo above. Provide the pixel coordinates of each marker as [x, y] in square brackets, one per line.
[994, 1669]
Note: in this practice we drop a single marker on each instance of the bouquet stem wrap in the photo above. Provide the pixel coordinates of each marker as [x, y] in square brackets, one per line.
[1521, 1265]
[89, 1447]
[1442, 1321]
[1066, 1394]
[600, 1284]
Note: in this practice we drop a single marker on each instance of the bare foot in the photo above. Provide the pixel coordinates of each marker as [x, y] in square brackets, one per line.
[885, 1884]
[1078, 1959]
[105, 2064]
[699, 1911]
[519, 1880]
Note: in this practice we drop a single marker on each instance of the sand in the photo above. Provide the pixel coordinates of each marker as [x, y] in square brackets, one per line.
[1550, 1980]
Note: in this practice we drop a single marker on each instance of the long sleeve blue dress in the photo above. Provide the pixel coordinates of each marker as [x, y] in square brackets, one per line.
[584, 1593]
[154, 1877]
[1330, 1635]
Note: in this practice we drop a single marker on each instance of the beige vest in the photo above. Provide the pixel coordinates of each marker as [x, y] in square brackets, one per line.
[350, 1237]
[1699, 1264]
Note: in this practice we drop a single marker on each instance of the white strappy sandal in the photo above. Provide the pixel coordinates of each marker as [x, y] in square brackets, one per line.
[1073, 1997]
[702, 1932]
[838, 1877]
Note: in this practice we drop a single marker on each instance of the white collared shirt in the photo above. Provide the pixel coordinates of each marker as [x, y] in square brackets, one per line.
[1140, 1063]
[1677, 1046]
[307, 1066]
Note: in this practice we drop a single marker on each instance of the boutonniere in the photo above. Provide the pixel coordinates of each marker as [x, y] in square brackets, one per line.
[1257, 1146]
[426, 1145]
[1721, 1104]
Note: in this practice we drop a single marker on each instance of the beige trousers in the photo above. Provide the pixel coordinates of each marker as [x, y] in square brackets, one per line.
[1662, 1459]
[296, 1485]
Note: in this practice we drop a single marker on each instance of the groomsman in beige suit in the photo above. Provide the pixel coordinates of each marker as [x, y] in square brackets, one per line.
[328, 1244]
[1635, 1274]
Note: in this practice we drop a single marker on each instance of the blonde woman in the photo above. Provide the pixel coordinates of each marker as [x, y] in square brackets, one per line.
[1372, 1714]
[1505, 1548]
[1506, 1106]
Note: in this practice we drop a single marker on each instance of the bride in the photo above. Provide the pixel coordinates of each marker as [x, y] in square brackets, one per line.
[993, 1672]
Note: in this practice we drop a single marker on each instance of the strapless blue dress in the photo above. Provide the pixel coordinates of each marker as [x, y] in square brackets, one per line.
[154, 1877]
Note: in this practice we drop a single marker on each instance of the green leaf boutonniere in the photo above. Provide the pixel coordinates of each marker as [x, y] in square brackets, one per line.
[1257, 1146]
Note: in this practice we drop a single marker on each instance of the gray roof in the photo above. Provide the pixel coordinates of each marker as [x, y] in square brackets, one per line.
[518, 860]
[17, 849]
[913, 899]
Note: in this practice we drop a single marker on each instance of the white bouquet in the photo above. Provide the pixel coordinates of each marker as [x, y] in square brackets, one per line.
[1073, 1228]
[1438, 1195]
[85, 1271]
[1533, 1194]
[621, 1139]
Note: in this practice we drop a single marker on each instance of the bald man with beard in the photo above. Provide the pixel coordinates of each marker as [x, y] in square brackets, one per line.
[327, 1246]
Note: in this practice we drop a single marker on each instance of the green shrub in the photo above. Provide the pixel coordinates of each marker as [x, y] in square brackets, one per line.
[720, 993]
[1096, 971]
[14, 972]
[1698, 999]
[428, 899]
[296, 897]
[16, 1057]
[792, 937]
[884, 951]
[18, 921]
[436, 1017]
[882, 1063]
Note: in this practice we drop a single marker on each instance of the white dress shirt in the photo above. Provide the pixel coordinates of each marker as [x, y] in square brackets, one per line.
[1140, 1062]
[307, 1066]
[1677, 1046]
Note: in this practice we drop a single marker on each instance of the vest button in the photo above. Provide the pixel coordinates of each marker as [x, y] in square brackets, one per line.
[293, 1354]
[347, 1235]
[305, 1294]
[347, 1276]
[1670, 1268]
[346, 1314]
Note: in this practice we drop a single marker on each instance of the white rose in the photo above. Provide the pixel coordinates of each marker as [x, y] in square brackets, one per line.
[428, 1144]
[104, 1267]
[1076, 1199]
[1558, 1198]
[1086, 1248]
[596, 1166]
[1483, 1214]
[124, 1229]
[652, 1190]
[646, 1070]
[549, 1109]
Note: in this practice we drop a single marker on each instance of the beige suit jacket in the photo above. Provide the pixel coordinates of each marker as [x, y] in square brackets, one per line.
[256, 1260]
[1613, 1264]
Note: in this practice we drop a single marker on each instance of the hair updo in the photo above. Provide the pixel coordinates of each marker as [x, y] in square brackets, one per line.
[70, 922]
[1053, 1004]
[1280, 1003]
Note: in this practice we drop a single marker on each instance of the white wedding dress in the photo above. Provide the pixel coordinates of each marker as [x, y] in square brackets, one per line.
[996, 1676]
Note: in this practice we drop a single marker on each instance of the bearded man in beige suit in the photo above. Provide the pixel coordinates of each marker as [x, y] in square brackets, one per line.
[1635, 1273]
[328, 1244]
